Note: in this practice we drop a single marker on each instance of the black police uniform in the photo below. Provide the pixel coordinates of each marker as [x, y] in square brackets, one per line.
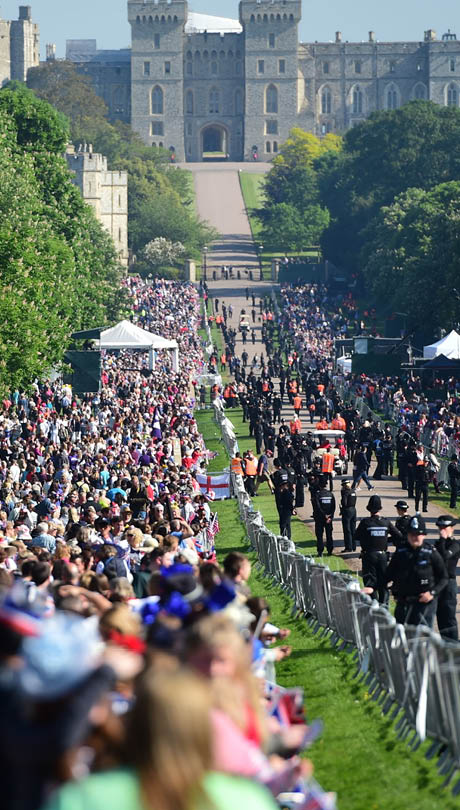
[388, 454]
[422, 479]
[413, 572]
[411, 458]
[402, 525]
[373, 534]
[454, 476]
[324, 510]
[446, 612]
[348, 512]
[285, 503]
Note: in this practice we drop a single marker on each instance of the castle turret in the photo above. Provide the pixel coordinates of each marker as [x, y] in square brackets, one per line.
[157, 71]
[271, 70]
[24, 44]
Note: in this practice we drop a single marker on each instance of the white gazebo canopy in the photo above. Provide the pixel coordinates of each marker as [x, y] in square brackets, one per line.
[126, 335]
[449, 346]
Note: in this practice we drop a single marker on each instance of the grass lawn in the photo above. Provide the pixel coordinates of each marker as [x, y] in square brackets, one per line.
[359, 755]
[443, 501]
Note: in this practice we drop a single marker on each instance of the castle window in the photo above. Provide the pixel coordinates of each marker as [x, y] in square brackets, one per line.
[452, 95]
[214, 100]
[146, 68]
[238, 102]
[167, 68]
[325, 67]
[189, 68]
[271, 99]
[158, 128]
[271, 41]
[261, 66]
[420, 92]
[157, 101]
[253, 18]
[392, 98]
[238, 68]
[326, 101]
[189, 103]
[271, 127]
[268, 147]
[156, 41]
[357, 101]
[119, 200]
[282, 66]
[161, 144]
[214, 68]
[275, 146]
[452, 65]
[392, 67]
[419, 67]
[358, 66]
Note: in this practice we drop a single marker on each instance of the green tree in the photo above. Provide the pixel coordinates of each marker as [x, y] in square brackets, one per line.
[415, 146]
[412, 255]
[286, 229]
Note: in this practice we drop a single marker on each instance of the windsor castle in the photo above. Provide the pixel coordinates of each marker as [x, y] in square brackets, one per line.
[207, 86]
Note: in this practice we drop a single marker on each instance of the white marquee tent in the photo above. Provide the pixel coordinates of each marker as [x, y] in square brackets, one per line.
[126, 335]
[449, 346]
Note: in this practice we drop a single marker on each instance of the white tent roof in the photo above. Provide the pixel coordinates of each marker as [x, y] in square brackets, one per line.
[449, 346]
[126, 335]
[213, 25]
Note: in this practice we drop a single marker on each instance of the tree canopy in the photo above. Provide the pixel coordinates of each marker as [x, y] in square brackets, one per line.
[59, 271]
[291, 216]
[415, 146]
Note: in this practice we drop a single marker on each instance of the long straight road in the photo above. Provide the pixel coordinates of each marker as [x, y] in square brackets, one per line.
[220, 201]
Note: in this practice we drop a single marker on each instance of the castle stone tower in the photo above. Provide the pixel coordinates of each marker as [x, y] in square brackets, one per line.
[24, 44]
[271, 72]
[157, 71]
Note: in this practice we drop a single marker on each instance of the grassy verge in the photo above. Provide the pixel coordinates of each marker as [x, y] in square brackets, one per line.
[359, 755]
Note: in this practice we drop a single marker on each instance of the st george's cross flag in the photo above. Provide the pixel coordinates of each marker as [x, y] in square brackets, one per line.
[215, 487]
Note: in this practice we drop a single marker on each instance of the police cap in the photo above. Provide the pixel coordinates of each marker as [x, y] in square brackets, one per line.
[444, 521]
[417, 525]
[402, 505]
[374, 505]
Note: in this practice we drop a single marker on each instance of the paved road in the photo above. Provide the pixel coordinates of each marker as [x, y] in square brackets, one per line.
[220, 202]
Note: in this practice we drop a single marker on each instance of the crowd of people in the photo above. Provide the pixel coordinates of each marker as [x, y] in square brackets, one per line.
[298, 367]
[135, 670]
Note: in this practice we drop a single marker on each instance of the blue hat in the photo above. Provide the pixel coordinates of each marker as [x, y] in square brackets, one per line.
[63, 656]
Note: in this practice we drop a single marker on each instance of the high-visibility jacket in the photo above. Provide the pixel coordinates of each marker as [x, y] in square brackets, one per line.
[251, 466]
[338, 423]
[327, 465]
[295, 426]
[237, 466]
[322, 425]
[297, 402]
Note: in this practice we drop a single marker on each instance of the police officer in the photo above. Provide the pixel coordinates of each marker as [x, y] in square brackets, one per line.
[373, 533]
[348, 499]
[449, 549]
[285, 503]
[422, 479]
[323, 513]
[454, 476]
[388, 453]
[402, 521]
[418, 574]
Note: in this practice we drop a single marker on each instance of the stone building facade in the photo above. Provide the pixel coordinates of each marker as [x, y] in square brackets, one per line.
[106, 192]
[19, 46]
[207, 86]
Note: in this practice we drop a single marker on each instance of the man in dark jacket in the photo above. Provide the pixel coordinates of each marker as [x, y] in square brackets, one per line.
[348, 513]
[324, 510]
[373, 534]
[454, 476]
[449, 549]
[418, 575]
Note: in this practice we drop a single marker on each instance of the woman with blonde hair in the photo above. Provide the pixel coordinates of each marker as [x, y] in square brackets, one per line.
[169, 758]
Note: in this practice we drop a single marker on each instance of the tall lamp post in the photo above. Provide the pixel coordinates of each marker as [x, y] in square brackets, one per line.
[261, 247]
[205, 262]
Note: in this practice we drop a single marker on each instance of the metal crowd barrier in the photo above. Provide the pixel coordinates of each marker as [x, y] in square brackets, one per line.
[411, 672]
